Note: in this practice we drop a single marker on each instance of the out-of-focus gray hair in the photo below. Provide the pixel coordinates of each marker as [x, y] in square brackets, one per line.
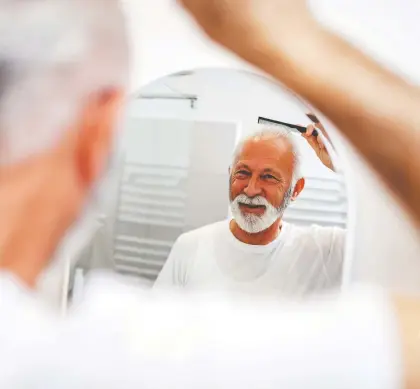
[275, 132]
[53, 55]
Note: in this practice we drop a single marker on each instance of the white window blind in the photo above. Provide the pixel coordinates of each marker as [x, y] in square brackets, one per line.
[323, 202]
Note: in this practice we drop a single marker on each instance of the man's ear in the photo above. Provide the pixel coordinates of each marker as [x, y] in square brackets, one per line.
[300, 184]
[95, 134]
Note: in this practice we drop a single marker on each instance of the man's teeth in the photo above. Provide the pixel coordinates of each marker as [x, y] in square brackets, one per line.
[253, 205]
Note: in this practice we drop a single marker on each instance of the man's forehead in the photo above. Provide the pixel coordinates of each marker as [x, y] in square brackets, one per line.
[274, 151]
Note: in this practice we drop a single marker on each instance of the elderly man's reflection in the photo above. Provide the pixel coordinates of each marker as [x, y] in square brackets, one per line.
[256, 251]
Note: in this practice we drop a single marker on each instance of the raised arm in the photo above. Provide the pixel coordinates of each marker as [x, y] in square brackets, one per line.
[377, 111]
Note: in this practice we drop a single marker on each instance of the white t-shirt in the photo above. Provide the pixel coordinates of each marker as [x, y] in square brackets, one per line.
[122, 337]
[300, 260]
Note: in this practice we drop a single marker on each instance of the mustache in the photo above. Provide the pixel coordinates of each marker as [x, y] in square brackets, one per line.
[257, 200]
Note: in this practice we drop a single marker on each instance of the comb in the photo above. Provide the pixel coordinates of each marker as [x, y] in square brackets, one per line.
[301, 129]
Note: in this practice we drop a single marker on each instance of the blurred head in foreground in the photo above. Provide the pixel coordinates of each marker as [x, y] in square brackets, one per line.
[63, 77]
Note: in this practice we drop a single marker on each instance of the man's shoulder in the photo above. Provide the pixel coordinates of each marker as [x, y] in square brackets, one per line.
[317, 232]
[315, 229]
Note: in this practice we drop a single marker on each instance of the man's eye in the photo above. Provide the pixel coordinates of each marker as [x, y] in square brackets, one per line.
[269, 177]
[242, 173]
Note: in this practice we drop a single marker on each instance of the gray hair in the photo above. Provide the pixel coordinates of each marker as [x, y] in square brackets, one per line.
[53, 55]
[277, 132]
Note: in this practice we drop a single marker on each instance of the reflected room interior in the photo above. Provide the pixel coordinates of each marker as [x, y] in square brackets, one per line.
[171, 171]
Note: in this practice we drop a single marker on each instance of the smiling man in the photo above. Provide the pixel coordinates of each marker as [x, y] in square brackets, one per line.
[256, 252]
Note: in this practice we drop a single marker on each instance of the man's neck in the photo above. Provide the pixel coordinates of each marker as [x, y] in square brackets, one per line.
[29, 227]
[259, 238]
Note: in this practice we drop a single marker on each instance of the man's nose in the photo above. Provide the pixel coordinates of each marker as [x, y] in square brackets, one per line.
[253, 188]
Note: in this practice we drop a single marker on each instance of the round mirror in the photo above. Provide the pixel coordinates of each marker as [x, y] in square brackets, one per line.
[220, 186]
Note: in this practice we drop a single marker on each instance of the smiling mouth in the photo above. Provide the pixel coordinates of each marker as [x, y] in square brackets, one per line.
[252, 206]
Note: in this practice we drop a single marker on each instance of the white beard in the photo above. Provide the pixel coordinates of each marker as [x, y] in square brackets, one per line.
[252, 223]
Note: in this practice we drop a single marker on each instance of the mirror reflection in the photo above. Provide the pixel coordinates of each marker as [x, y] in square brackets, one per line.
[224, 181]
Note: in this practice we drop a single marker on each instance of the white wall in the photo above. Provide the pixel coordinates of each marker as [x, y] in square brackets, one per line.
[166, 40]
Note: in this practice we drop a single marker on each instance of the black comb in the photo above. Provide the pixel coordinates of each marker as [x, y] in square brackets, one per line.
[301, 129]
